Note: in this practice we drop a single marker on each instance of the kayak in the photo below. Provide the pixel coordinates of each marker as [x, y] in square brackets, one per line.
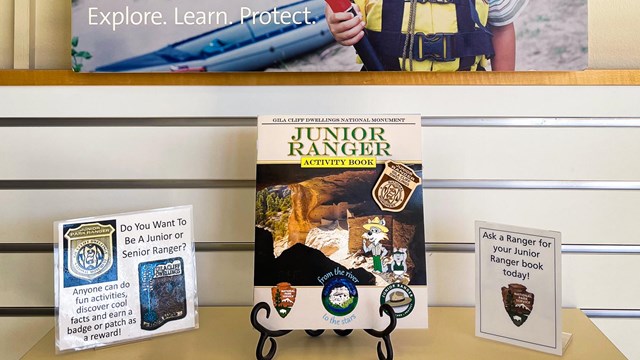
[246, 45]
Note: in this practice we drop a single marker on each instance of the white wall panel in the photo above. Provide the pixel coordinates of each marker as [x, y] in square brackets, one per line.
[531, 153]
[221, 215]
[182, 101]
[601, 281]
[226, 278]
[226, 215]
[19, 334]
[623, 333]
[229, 153]
[128, 153]
[583, 217]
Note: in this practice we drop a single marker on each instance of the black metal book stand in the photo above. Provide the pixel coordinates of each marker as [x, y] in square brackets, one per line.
[384, 335]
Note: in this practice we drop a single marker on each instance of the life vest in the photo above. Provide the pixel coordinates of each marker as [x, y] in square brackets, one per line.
[450, 35]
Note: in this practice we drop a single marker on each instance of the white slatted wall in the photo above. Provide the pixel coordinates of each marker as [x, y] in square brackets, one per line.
[67, 152]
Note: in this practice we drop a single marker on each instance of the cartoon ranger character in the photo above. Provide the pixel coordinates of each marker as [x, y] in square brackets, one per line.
[376, 232]
[399, 262]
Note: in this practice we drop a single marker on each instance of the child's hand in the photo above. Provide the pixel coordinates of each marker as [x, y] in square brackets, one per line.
[346, 28]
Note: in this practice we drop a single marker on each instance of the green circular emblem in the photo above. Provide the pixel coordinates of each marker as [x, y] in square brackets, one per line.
[339, 295]
[400, 297]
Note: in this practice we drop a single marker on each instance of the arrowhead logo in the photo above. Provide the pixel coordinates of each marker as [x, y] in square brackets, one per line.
[283, 296]
[518, 303]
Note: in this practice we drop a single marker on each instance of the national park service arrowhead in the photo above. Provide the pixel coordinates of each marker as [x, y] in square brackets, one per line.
[518, 303]
[283, 296]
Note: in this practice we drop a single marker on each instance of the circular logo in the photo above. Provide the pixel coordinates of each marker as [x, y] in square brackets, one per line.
[339, 296]
[391, 193]
[91, 256]
[400, 297]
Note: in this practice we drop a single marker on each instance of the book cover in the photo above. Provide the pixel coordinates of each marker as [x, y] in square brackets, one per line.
[339, 227]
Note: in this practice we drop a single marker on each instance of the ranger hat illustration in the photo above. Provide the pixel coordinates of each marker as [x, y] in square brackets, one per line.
[376, 223]
[400, 297]
[397, 298]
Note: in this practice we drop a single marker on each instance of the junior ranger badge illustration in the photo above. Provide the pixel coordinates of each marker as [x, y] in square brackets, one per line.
[90, 249]
[395, 186]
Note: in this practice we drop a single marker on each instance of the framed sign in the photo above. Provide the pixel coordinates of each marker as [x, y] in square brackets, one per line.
[519, 287]
[313, 35]
[124, 277]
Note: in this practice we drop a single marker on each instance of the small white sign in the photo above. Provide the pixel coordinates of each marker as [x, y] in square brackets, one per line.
[124, 277]
[518, 286]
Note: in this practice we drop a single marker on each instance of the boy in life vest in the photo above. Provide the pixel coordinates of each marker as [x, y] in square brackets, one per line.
[433, 35]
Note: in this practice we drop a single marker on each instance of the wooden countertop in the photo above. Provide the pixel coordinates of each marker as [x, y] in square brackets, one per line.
[226, 333]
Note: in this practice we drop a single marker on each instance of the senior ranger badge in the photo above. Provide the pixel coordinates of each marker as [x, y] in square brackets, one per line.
[395, 186]
[89, 252]
[162, 292]
[517, 302]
